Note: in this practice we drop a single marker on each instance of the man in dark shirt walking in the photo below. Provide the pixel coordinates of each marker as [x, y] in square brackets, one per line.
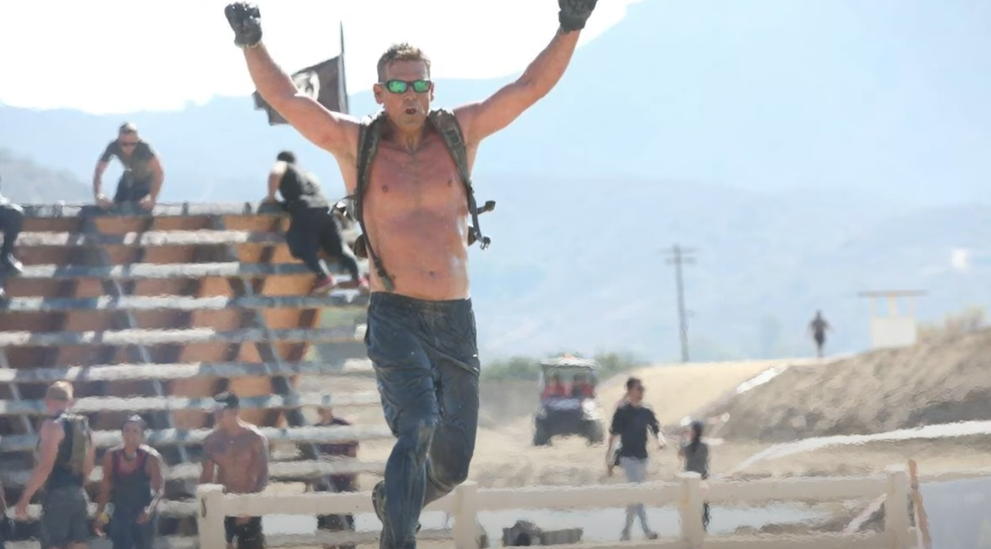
[818, 328]
[313, 224]
[630, 422]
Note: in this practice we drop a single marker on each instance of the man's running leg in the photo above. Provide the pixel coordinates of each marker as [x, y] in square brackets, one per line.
[409, 402]
[455, 356]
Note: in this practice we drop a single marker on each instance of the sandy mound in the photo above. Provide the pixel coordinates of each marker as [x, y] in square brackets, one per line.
[677, 391]
[884, 390]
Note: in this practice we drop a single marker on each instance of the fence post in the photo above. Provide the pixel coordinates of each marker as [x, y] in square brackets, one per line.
[690, 509]
[210, 516]
[896, 524]
[466, 516]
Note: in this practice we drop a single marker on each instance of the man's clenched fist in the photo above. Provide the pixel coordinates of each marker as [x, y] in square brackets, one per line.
[574, 13]
[246, 21]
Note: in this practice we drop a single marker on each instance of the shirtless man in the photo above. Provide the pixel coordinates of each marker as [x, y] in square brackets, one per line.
[238, 452]
[143, 175]
[421, 333]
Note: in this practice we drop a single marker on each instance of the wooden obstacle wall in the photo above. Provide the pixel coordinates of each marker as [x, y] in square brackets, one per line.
[155, 313]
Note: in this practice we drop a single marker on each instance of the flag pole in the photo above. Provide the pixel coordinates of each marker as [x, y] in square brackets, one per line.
[344, 86]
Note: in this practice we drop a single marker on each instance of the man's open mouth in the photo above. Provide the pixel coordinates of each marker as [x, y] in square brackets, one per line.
[410, 110]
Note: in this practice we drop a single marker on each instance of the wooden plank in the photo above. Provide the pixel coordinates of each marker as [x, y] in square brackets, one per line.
[204, 237]
[165, 508]
[321, 538]
[229, 269]
[172, 437]
[91, 405]
[285, 471]
[165, 337]
[183, 303]
[122, 372]
[184, 209]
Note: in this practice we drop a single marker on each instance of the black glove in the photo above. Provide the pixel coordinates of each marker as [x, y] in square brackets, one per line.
[574, 13]
[246, 21]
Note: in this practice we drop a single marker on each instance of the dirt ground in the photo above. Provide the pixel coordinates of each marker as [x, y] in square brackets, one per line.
[504, 456]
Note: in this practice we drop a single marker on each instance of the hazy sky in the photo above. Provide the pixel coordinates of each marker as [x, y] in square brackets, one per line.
[141, 55]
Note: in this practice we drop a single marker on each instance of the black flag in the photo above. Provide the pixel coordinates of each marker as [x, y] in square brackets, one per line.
[324, 82]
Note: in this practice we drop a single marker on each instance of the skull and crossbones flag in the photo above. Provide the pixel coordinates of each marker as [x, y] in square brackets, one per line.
[324, 82]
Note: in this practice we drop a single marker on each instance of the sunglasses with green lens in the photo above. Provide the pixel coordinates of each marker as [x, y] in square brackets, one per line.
[400, 86]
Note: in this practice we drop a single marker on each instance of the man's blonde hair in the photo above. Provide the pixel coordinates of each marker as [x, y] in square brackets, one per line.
[60, 390]
[401, 52]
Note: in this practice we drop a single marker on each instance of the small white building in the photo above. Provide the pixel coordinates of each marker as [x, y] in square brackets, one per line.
[890, 325]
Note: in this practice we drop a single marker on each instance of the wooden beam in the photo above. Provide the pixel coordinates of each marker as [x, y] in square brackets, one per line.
[183, 303]
[184, 209]
[150, 238]
[321, 538]
[172, 437]
[164, 337]
[285, 471]
[92, 405]
[152, 270]
[122, 372]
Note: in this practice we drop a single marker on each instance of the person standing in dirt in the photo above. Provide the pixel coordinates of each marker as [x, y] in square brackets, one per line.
[134, 483]
[337, 483]
[236, 453]
[818, 328]
[314, 226]
[66, 457]
[143, 174]
[630, 423]
[695, 454]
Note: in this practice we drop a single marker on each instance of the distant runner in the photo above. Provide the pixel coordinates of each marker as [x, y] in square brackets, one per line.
[238, 452]
[337, 483]
[133, 482]
[818, 328]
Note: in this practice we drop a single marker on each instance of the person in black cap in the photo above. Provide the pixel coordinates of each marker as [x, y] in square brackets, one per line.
[239, 452]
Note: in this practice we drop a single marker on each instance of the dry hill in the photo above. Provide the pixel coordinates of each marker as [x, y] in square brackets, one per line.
[945, 381]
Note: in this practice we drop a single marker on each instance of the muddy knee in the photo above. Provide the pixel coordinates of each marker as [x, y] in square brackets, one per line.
[415, 439]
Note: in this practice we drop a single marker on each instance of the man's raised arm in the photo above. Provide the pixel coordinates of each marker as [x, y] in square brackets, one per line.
[334, 132]
[480, 120]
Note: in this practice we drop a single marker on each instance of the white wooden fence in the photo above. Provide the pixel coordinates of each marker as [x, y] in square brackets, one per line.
[687, 495]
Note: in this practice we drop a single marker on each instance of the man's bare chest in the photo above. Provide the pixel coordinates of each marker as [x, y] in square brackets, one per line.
[426, 179]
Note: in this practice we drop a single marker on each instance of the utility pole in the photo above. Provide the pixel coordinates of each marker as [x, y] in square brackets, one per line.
[679, 256]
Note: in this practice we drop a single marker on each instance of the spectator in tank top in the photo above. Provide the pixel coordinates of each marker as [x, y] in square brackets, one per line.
[133, 481]
[337, 483]
[64, 522]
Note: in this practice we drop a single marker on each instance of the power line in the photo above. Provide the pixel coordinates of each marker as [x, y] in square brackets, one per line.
[677, 257]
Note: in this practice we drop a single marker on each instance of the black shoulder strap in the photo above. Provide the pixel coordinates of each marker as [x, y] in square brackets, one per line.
[368, 143]
[449, 128]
